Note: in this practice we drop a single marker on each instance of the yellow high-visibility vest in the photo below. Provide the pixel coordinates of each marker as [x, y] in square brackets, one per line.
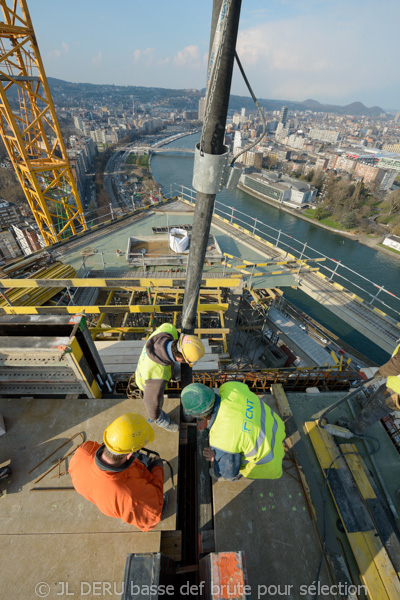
[393, 381]
[147, 368]
[245, 424]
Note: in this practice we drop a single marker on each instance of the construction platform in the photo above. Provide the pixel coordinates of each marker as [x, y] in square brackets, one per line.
[271, 521]
[99, 252]
[56, 538]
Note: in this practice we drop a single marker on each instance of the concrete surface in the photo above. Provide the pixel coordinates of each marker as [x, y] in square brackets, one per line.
[76, 566]
[57, 538]
[34, 429]
[269, 520]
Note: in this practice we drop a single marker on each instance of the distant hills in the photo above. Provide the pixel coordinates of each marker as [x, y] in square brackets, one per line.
[355, 108]
[71, 94]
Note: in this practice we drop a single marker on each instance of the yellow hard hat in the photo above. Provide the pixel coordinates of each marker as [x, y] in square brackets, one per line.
[128, 433]
[191, 348]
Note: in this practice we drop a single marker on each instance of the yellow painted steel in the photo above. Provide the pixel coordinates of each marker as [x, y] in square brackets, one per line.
[77, 355]
[34, 295]
[32, 135]
[247, 263]
[376, 569]
[380, 312]
[266, 273]
[148, 330]
[119, 282]
[125, 317]
[42, 310]
[359, 471]
[102, 317]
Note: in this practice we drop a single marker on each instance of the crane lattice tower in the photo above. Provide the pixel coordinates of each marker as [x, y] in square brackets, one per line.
[30, 129]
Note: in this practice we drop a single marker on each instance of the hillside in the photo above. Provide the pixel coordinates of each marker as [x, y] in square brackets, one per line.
[71, 94]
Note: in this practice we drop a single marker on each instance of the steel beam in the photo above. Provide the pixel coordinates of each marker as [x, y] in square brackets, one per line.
[140, 308]
[120, 283]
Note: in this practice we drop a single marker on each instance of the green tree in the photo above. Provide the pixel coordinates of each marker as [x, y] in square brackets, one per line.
[394, 202]
[271, 161]
[349, 220]
[318, 179]
[321, 213]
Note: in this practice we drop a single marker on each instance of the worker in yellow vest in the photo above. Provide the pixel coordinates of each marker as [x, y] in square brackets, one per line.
[245, 435]
[163, 351]
[384, 400]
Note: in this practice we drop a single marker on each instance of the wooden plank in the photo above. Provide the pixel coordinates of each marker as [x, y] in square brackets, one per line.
[281, 400]
[100, 345]
[376, 570]
[113, 357]
[131, 367]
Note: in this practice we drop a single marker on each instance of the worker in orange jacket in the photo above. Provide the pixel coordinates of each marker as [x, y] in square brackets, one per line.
[119, 480]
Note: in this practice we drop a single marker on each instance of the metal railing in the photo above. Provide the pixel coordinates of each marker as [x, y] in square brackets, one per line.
[334, 270]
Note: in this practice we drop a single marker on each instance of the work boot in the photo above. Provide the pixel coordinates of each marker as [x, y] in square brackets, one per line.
[165, 422]
[5, 472]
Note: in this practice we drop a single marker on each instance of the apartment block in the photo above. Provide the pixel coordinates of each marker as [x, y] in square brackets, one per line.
[8, 214]
[368, 173]
[8, 245]
[391, 148]
[324, 135]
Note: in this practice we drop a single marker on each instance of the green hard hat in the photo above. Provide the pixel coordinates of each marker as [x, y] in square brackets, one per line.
[197, 399]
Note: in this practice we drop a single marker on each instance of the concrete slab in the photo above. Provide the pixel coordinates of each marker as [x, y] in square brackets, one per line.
[37, 427]
[269, 520]
[63, 565]
[107, 260]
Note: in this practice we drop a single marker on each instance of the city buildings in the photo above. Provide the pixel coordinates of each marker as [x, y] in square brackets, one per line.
[293, 193]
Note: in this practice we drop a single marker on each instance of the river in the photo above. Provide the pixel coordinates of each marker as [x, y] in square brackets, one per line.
[172, 169]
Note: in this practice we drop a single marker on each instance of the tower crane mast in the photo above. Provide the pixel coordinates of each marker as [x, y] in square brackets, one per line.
[30, 129]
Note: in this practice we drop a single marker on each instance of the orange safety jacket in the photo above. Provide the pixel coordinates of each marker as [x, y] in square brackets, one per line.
[134, 495]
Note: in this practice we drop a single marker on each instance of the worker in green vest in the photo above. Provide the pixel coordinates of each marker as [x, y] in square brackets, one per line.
[164, 350]
[384, 400]
[245, 435]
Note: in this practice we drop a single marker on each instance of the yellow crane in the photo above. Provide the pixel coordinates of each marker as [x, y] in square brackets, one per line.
[30, 129]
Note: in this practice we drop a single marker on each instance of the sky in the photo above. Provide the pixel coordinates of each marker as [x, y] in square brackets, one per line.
[336, 51]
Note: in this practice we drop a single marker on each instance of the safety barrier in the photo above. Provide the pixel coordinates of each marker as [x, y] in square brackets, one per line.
[350, 280]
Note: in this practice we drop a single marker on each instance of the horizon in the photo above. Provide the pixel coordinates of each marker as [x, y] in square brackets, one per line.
[280, 100]
[336, 54]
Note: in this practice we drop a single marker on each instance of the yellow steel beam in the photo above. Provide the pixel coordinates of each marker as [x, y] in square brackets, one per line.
[125, 317]
[31, 134]
[365, 484]
[102, 316]
[176, 314]
[247, 263]
[118, 283]
[61, 310]
[376, 569]
[198, 331]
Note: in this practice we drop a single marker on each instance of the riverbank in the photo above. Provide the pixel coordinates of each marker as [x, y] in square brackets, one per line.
[371, 242]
